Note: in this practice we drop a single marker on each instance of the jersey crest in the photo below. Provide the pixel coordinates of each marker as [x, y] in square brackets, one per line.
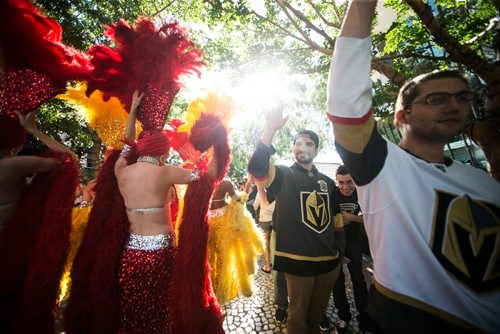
[315, 210]
[466, 240]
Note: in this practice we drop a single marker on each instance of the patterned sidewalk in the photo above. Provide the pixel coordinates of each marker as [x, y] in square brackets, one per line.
[245, 315]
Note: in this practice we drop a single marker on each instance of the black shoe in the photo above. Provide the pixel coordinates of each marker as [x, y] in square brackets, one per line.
[280, 316]
[341, 326]
[325, 325]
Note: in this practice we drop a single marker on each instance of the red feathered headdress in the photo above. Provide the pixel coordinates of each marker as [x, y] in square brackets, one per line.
[146, 59]
[35, 63]
[155, 144]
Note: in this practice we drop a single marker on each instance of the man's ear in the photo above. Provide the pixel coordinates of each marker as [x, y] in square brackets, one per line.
[401, 116]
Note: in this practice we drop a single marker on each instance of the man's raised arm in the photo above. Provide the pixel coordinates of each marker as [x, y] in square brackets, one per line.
[350, 94]
[259, 165]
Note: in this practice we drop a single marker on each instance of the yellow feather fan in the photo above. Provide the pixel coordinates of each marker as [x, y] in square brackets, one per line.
[107, 118]
[215, 103]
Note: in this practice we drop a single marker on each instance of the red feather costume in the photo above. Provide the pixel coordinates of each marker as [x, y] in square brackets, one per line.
[151, 61]
[34, 63]
[194, 306]
[33, 249]
[35, 66]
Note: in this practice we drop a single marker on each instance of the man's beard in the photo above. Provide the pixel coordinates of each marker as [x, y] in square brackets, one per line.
[304, 158]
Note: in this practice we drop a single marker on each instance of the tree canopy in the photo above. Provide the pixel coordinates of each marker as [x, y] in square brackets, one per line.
[294, 40]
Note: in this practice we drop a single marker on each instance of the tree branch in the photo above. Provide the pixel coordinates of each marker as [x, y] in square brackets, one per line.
[459, 53]
[387, 70]
[328, 23]
[412, 55]
[305, 20]
[288, 33]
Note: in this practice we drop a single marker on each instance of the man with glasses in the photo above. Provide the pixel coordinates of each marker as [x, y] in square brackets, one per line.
[433, 223]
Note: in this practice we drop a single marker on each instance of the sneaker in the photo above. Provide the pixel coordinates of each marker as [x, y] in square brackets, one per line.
[341, 326]
[280, 316]
[324, 325]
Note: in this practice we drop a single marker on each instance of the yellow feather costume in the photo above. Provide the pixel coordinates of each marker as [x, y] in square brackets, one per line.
[79, 220]
[234, 246]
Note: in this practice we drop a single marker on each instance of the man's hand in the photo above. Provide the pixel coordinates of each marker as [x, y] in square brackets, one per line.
[275, 119]
[274, 122]
[349, 218]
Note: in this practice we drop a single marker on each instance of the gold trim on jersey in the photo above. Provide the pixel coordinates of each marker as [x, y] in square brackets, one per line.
[354, 138]
[271, 174]
[410, 301]
[338, 221]
[307, 258]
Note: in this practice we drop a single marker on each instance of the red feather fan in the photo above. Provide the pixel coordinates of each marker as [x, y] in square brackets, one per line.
[35, 62]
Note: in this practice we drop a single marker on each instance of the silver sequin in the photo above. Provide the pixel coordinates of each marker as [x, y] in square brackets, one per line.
[126, 150]
[149, 242]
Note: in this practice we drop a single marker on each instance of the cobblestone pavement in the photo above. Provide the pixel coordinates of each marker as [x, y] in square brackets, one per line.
[245, 315]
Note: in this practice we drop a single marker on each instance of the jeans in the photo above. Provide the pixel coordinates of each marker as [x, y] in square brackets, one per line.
[355, 266]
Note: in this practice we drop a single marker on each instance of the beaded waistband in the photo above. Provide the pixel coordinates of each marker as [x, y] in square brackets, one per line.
[149, 242]
[217, 212]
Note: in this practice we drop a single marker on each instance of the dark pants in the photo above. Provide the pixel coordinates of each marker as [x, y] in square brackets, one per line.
[355, 266]
[280, 290]
[308, 301]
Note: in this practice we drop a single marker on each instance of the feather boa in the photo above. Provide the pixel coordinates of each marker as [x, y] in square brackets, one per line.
[94, 302]
[194, 306]
[33, 250]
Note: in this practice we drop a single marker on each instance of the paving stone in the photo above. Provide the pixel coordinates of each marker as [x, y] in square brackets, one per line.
[256, 314]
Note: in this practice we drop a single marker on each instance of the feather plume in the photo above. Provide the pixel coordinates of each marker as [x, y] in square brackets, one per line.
[35, 64]
[146, 59]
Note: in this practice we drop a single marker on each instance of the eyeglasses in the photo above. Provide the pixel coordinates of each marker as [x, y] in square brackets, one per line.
[441, 98]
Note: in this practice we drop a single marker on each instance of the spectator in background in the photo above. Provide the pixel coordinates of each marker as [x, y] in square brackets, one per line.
[345, 194]
[264, 204]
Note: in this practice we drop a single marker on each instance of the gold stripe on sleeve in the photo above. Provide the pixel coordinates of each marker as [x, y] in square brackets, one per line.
[354, 138]
[271, 174]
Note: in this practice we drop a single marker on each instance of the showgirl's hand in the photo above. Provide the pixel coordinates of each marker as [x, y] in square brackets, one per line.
[136, 101]
[27, 121]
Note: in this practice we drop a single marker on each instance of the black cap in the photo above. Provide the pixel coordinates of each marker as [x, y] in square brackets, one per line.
[308, 133]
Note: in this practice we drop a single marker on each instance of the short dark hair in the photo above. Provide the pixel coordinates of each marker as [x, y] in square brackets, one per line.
[309, 133]
[342, 170]
[410, 90]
